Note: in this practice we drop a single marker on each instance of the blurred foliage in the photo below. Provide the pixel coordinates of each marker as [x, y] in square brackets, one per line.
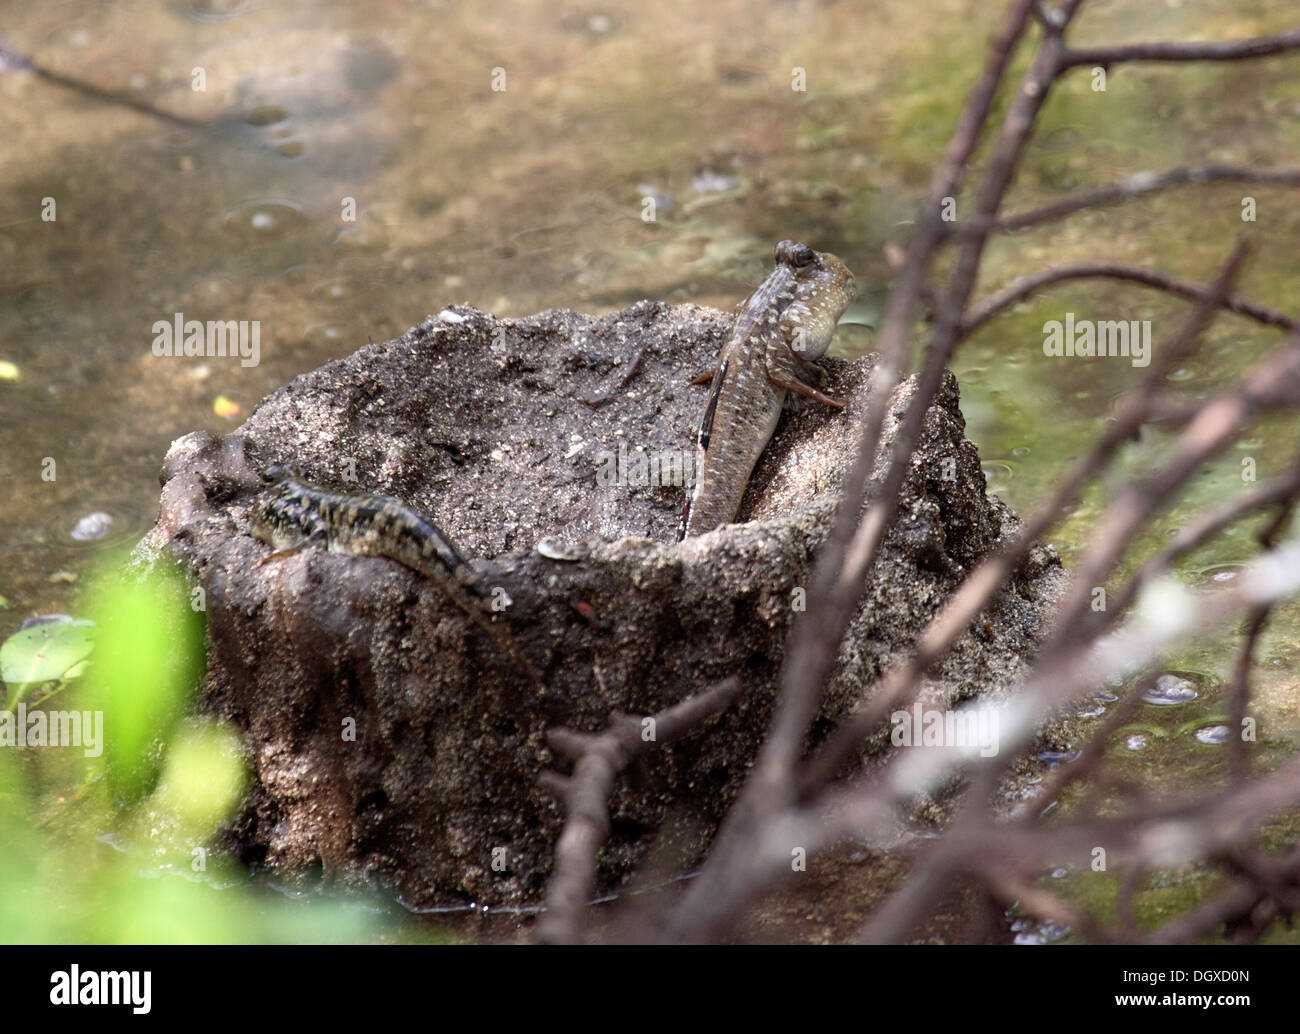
[114, 841]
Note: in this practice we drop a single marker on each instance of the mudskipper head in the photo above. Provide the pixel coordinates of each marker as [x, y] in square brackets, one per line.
[278, 473]
[823, 289]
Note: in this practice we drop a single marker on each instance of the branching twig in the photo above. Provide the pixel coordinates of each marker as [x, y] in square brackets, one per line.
[1028, 285]
[787, 804]
[814, 642]
[1199, 530]
[599, 758]
[976, 591]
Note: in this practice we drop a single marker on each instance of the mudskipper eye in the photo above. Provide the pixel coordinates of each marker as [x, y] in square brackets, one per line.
[788, 253]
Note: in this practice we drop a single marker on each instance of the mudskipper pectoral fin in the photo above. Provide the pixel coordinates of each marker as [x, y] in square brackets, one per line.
[793, 383]
[706, 422]
[808, 372]
[281, 554]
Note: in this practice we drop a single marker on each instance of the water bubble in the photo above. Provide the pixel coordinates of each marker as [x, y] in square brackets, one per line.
[1218, 576]
[1136, 741]
[1041, 933]
[1169, 690]
[1213, 734]
[996, 475]
[265, 219]
[334, 287]
[93, 526]
[367, 235]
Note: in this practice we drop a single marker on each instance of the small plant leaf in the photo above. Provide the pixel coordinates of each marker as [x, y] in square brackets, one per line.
[45, 653]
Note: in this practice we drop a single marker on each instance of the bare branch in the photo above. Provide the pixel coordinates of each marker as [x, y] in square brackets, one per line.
[1139, 185]
[1237, 50]
[784, 803]
[1231, 907]
[599, 760]
[1010, 887]
[1199, 530]
[1027, 285]
[860, 553]
[813, 645]
[1272, 383]
[11, 58]
[1239, 695]
[979, 587]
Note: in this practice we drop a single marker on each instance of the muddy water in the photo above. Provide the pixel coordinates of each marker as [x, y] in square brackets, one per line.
[335, 172]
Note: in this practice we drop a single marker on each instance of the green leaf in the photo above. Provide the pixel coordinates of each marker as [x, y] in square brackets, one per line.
[45, 653]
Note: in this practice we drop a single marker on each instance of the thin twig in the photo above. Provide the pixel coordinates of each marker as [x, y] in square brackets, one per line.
[1236, 50]
[998, 303]
[1199, 530]
[1256, 619]
[980, 586]
[1139, 185]
[599, 759]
